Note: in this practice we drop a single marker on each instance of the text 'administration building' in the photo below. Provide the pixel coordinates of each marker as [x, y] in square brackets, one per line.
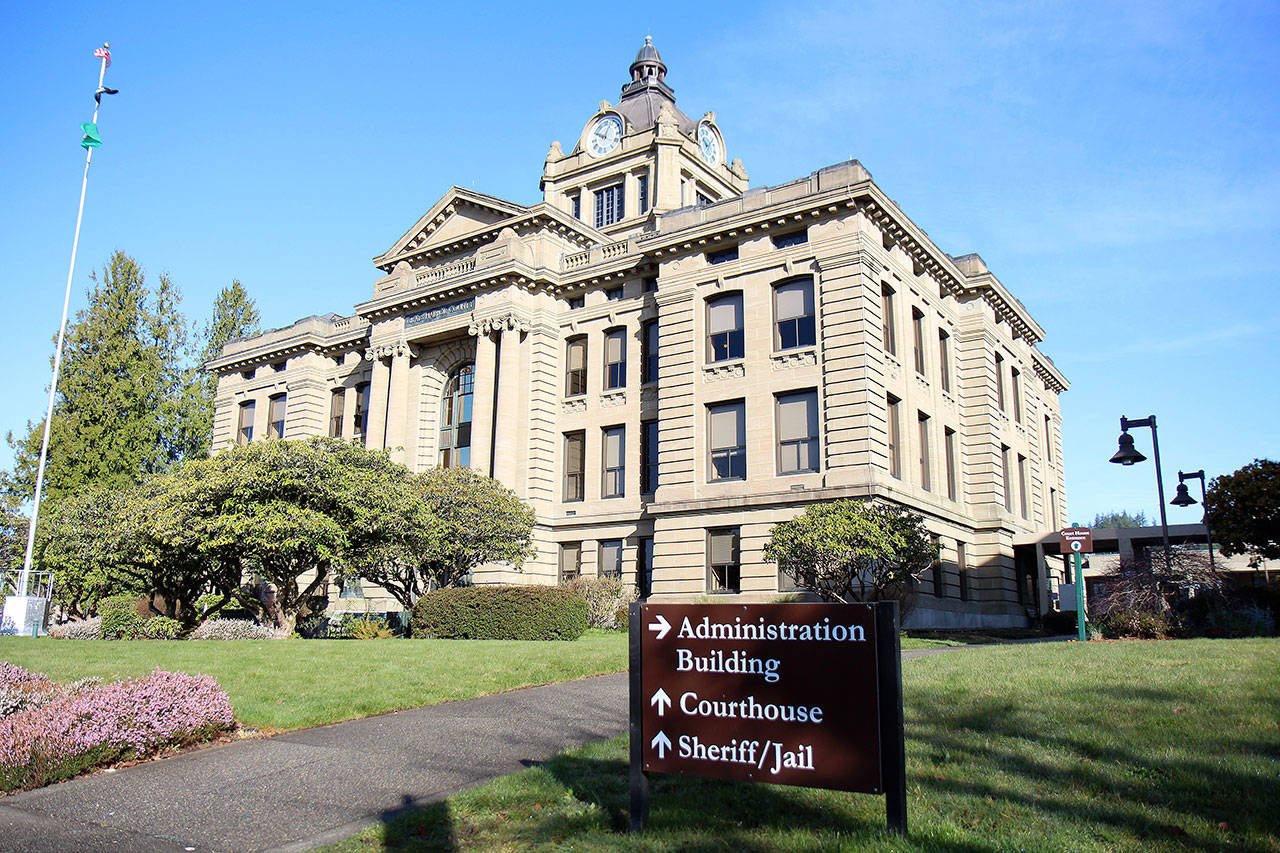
[664, 363]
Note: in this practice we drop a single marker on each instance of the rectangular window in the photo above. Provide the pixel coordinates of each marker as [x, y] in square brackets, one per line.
[610, 560]
[575, 463]
[724, 570]
[797, 432]
[248, 374]
[962, 570]
[649, 284]
[1048, 440]
[720, 256]
[795, 238]
[949, 447]
[944, 360]
[570, 561]
[361, 425]
[613, 294]
[724, 327]
[576, 301]
[1004, 472]
[917, 339]
[1022, 486]
[926, 478]
[609, 205]
[337, 402]
[1015, 387]
[577, 206]
[244, 433]
[1053, 508]
[644, 566]
[275, 417]
[938, 568]
[895, 438]
[703, 199]
[575, 374]
[649, 354]
[614, 480]
[728, 443]
[615, 359]
[886, 319]
[279, 366]
[648, 456]
[642, 192]
[1000, 381]
[793, 308]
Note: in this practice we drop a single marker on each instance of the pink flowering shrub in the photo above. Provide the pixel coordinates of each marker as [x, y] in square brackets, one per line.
[75, 731]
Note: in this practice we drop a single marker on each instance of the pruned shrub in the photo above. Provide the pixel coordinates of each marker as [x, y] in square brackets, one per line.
[159, 628]
[1135, 623]
[605, 597]
[500, 613]
[232, 629]
[1060, 622]
[120, 617]
[370, 628]
[132, 718]
[81, 629]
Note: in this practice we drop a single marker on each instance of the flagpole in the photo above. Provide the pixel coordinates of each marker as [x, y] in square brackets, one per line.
[24, 580]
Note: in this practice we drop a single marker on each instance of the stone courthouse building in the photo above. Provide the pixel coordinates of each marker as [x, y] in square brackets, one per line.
[664, 363]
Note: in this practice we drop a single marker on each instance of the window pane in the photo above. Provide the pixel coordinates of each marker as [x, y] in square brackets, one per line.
[798, 415]
[727, 425]
[725, 314]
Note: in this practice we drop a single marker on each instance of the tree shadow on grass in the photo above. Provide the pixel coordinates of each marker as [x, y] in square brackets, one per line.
[1151, 791]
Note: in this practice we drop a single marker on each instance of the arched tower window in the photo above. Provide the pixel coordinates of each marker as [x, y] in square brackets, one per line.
[455, 418]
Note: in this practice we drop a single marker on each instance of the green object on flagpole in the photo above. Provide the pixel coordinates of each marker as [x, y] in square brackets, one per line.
[91, 137]
[1080, 597]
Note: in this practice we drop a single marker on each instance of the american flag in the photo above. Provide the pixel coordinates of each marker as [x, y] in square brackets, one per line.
[103, 53]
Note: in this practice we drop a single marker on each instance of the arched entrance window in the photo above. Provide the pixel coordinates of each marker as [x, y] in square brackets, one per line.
[455, 418]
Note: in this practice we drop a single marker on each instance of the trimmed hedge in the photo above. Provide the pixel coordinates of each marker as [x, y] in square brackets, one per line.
[500, 613]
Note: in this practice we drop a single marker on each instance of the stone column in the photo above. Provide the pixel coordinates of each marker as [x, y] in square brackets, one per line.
[379, 385]
[508, 414]
[482, 399]
[397, 399]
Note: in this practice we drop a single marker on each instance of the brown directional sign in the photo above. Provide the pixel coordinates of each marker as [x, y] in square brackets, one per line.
[1075, 540]
[779, 693]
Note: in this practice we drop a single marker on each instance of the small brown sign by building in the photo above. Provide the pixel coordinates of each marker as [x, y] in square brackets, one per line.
[1075, 540]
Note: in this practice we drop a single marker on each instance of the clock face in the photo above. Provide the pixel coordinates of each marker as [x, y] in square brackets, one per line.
[605, 135]
[709, 144]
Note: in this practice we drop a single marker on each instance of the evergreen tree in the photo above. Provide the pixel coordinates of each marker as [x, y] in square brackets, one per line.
[234, 316]
[122, 370]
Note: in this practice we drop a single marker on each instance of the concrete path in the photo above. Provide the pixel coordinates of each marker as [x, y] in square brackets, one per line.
[295, 791]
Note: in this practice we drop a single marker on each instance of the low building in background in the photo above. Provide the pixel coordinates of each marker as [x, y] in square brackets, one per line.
[664, 363]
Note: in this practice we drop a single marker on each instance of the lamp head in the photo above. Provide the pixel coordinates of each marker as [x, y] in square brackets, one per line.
[1126, 455]
[1183, 497]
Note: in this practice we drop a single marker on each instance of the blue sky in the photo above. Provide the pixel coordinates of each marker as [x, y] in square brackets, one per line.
[1115, 164]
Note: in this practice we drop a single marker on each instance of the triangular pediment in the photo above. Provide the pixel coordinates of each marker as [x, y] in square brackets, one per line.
[459, 212]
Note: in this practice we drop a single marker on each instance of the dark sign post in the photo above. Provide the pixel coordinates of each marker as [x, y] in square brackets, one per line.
[1077, 541]
[790, 694]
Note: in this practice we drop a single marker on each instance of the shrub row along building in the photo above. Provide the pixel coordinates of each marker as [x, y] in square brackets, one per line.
[664, 363]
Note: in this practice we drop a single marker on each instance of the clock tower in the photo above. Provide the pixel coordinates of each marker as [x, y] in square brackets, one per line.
[640, 157]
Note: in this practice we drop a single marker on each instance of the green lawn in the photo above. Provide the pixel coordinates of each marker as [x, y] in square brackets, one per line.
[279, 685]
[1169, 745]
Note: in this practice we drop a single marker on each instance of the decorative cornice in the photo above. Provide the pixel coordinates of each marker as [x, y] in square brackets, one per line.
[508, 321]
[398, 349]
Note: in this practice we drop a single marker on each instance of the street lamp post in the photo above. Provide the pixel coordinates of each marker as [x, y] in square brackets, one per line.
[1183, 498]
[1127, 455]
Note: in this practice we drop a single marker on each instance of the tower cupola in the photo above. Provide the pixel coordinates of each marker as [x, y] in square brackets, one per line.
[648, 72]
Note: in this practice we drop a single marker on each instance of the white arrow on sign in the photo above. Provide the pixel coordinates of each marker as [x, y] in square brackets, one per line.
[662, 626]
[662, 742]
[662, 700]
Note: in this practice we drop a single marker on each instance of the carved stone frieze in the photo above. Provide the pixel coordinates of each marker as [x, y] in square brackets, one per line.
[788, 360]
[578, 404]
[505, 322]
[400, 348]
[610, 399]
[716, 372]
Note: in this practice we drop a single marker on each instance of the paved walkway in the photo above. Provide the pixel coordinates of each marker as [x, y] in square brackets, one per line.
[293, 792]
